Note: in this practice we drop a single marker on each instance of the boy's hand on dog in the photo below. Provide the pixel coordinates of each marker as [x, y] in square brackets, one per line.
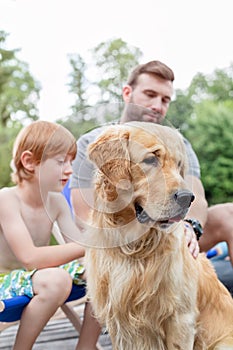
[191, 240]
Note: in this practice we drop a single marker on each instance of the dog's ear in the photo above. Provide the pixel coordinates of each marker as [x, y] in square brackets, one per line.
[110, 154]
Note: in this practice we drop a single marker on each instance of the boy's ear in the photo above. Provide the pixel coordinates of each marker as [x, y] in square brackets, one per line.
[27, 160]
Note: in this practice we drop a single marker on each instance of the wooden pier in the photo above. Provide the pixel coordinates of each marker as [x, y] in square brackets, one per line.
[59, 334]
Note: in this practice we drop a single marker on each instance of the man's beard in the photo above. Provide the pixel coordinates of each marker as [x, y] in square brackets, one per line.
[135, 112]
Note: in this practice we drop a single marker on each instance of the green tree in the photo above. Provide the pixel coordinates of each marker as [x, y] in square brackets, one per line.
[97, 87]
[203, 113]
[217, 86]
[78, 83]
[19, 91]
[114, 59]
[77, 128]
[91, 117]
[210, 133]
[180, 110]
[7, 137]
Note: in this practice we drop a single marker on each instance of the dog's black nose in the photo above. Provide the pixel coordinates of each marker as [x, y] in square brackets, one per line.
[184, 198]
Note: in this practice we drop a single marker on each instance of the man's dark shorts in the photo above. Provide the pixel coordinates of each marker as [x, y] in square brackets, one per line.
[224, 271]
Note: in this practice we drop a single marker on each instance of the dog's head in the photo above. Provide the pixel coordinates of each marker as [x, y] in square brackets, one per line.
[141, 168]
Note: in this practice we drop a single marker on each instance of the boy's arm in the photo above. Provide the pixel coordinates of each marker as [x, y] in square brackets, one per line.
[66, 224]
[82, 202]
[20, 241]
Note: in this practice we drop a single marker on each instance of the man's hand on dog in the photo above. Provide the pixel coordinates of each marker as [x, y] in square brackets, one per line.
[191, 240]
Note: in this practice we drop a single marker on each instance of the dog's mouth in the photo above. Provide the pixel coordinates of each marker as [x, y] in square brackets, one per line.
[144, 218]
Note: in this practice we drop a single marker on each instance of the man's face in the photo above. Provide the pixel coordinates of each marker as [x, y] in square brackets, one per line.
[149, 100]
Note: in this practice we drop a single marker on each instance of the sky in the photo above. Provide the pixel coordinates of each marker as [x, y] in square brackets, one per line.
[190, 36]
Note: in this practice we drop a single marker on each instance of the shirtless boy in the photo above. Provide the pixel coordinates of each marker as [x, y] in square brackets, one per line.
[41, 163]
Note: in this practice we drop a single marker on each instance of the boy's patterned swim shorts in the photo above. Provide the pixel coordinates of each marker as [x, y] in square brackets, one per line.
[19, 282]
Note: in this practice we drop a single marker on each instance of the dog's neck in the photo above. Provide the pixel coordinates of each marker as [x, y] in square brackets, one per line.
[122, 229]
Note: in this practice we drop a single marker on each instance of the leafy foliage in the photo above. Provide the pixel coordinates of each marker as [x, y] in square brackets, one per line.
[217, 87]
[19, 92]
[114, 58]
[180, 111]
[112, 62]
[210, 132]
[204, 114]
[91, 117]
[78, 83]
[7, 137]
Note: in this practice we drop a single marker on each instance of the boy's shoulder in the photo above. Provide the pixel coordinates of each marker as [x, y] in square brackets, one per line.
[8, 192]
[8, 199]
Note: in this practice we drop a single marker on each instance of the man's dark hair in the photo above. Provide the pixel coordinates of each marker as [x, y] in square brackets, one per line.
[153, 67]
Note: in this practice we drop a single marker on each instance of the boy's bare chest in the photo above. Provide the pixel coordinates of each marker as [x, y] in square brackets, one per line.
[39, 223]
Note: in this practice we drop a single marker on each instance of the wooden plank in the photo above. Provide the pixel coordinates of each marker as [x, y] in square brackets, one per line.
[58, 334]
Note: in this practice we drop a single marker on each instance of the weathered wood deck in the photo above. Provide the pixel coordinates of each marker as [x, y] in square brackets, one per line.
[59, 334]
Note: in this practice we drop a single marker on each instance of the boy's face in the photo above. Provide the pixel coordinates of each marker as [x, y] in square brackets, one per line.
[54, 173]
[152, 93]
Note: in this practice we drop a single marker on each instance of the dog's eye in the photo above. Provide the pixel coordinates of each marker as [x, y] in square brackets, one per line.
[151, 161]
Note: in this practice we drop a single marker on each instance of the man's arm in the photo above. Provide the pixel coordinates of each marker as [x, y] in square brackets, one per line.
[198, 209]
[218, 228]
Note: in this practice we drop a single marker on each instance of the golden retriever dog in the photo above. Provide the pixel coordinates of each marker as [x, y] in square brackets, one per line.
[144, 284]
